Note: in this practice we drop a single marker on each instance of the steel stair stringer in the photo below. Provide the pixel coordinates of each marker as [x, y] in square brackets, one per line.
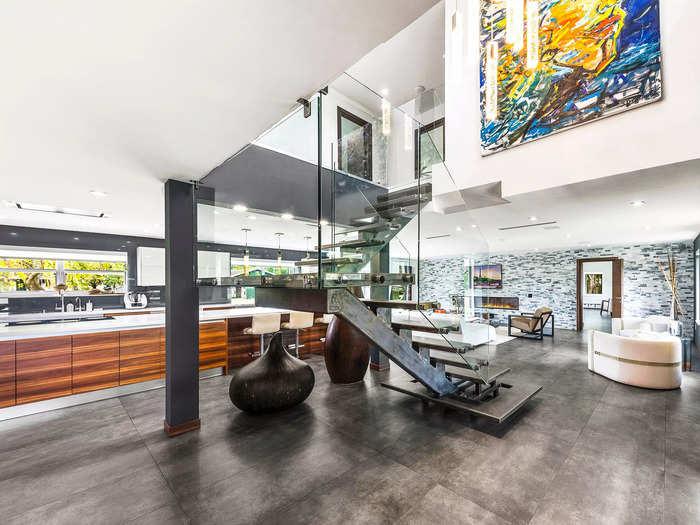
[341, 302]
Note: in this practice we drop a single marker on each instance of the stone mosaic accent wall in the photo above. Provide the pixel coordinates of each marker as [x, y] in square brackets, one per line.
[551, 279]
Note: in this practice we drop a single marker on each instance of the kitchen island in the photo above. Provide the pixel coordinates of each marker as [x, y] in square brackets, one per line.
[53, 360]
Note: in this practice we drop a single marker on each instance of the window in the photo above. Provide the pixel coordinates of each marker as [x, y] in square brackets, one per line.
[431, 149]
[354, 145]
[37, 273]
[20, 274]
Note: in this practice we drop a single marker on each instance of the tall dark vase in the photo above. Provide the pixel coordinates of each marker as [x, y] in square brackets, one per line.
[346, 352]
[273, 382]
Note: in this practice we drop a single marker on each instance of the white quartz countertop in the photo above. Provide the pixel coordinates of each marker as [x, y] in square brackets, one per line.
[127, 322]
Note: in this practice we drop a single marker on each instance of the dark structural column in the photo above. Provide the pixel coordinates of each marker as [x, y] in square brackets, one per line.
[380, 263]
[181, 309]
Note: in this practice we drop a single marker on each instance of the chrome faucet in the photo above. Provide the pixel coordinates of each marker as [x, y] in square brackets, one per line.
[80, 308]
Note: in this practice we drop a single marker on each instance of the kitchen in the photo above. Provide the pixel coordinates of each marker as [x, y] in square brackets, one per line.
[77, 341]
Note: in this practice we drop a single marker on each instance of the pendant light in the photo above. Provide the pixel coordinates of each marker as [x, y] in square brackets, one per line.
[514, 24]
[279, 252]
[308, 254]
[386, 117]
[491, 78]
[533, 33]
[246, 254]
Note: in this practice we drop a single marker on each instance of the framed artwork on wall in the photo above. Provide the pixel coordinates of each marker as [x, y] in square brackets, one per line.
[550, 65]
[488, 276]
[354, 144]
[429, 147]
[594, 283]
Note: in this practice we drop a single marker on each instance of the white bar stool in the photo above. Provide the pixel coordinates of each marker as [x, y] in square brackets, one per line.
[297, 321]
[324, 319]
[263, 324]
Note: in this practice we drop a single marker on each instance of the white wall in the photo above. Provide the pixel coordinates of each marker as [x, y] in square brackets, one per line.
[653, 135]
[604, 267]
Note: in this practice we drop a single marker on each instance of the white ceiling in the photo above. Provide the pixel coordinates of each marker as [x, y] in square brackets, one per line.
[595, 213]
[120, 96]
[413, 57]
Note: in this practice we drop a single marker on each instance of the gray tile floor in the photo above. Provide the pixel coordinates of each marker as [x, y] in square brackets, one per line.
[585, 450]
[593, 320]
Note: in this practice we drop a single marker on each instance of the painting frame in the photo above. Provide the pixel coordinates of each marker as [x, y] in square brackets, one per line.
[591, 95]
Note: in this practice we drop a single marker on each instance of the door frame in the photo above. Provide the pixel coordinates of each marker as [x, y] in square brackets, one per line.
[367, 135]
[617, 286]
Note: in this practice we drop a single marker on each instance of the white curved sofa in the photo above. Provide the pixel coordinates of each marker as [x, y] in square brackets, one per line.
[649, 359]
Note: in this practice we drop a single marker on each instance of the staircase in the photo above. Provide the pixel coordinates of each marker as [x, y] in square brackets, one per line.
[355, 245]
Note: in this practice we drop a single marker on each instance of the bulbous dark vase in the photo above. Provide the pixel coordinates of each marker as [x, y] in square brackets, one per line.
[273, 382]
[346, 352]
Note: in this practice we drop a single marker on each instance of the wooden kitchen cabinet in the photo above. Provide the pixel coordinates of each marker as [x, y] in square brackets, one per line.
[95, 361]
[7, 373]
[213, 345]
[139, 355]
[43, 368]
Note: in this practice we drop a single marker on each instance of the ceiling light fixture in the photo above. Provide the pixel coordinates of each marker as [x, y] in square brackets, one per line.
[240, 207]
[13, 233]
[324, 222]
[647, 227]
[384, 92]
[492, 78]
[533, 218]
[246, 253]
[458, 228]
[514, 24]
[251, 217]
[76, 238]
[279, 252]
[287, 216]
[386, 117]
[637, 204]
[62, 211]
[97, 193]
[308, 254]
[533, 33]
[568, 236]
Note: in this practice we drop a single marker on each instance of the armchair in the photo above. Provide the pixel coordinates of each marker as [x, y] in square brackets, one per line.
[531, 326]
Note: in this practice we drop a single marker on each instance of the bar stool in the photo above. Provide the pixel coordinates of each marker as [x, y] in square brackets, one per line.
[324, 319]
[263, 324]
[297, 321]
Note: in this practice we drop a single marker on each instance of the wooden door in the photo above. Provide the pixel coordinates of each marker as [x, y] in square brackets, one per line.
[43, 368]
[95, 361]
[616, 305]
[7, 373]
[139, 355]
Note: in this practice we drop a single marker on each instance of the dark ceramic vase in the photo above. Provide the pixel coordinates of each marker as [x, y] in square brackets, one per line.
[346, 352]
[273, 382]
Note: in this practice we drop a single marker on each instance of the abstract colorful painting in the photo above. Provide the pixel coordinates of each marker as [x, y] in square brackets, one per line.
[562, 63]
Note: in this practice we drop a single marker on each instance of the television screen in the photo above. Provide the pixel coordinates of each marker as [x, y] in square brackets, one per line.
[488, 276]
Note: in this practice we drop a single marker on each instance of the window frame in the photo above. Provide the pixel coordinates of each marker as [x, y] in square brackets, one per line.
[417, 135]
[367, 135]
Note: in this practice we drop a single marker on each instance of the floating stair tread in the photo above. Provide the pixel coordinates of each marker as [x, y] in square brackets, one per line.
[337, 260]
[404, 305]
[498, 409]
[374, 227]
[355, 243]
[411, 190]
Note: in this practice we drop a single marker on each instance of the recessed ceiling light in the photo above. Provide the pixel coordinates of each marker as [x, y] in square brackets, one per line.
[533, 218]
[324, 222]
[97, 193]
[647, 227]
[473, 225]
[588, 245]
[568, 236]
[287, 216]
[13, 233]
[637, 204]
[537, 249]
[240, 207]
[458, 228]
[251, 217]
[76, 238]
